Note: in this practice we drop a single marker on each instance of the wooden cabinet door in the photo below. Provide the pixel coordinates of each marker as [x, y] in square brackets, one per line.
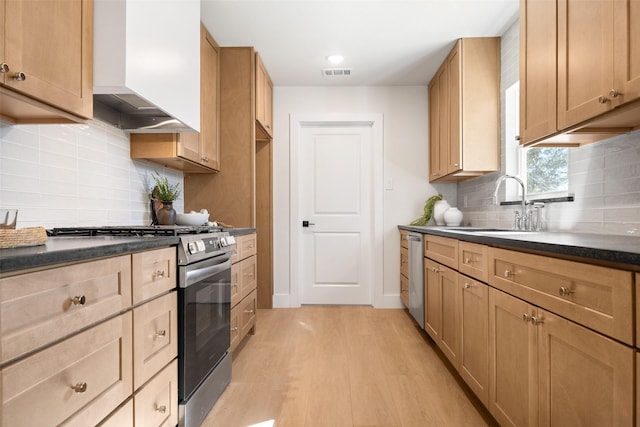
[449, 341]
[188, 146]
[209, 100]
[513, 378]
[438, 124]
[538, 70]
[453, 146]
[585, 59]
[627, 55]
[474, 336]
[584, 377]
[264, 99]
[432, 300]
[156, 405]
[51, 43]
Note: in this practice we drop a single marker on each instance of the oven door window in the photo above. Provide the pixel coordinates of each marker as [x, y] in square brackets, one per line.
[205, 327]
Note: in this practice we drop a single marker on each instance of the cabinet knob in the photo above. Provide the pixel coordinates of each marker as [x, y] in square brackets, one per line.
[536, 320]
[468, 260]
[79, 300]
[20, 76]
[80, 387]
[509, 273]
[159, 274]
[234, 330]
[435, 269]
[468, 285]
[564, 291]
[162, 409]
[526, 317]
[603, 99]
[613, 93]
[161, 333]
[4, 67]
[249, 311]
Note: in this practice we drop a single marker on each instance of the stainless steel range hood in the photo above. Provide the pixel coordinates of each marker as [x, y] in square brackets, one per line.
[132, 113]
[146, 65]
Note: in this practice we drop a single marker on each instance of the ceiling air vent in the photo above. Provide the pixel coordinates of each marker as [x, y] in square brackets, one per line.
[330, 72]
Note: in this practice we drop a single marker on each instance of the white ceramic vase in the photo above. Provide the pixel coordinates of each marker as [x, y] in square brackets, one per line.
[453, 217]
[438, 211]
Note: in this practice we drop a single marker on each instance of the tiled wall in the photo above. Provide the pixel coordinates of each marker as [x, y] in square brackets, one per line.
[604, 177]
[71, 175]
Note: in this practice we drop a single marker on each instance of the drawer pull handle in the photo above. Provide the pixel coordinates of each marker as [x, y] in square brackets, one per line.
[509, 273]
[80, 387]
[161, 333]
[78, 300]
[162, 409]
[158, 275]
[564, 291]
[526, 317]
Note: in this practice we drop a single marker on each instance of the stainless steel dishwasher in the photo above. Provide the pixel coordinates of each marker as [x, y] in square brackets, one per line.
[416, 277]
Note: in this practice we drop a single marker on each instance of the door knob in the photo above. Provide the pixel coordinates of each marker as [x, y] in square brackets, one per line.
[307, 223]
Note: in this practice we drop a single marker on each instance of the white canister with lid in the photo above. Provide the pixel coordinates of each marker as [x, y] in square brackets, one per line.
[438, 211]
[453, 217]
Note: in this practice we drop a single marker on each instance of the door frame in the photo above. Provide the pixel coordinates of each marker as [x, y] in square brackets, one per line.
[296, 123]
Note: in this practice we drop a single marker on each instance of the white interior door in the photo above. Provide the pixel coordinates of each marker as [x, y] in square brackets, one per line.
[335, 185]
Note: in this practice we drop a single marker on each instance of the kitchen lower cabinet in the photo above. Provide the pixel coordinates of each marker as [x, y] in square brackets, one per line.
[243, 288]
[83, 348]
[441, 308]
[547, 370]
[474, 336]
[513, 381]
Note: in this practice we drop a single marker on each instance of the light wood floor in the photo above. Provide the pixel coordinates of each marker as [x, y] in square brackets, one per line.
[342, 367]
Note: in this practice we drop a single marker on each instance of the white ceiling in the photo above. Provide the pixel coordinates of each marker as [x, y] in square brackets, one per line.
[385, 43]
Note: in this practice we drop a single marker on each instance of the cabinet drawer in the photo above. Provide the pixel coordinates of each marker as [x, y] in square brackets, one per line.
[473, 260]
[248, 314]
[41, 307]
[155, 338]
[154, 273]
[236, 327]
[404, 243]
[248, 276]
[123, 417]
[37, 391]
[235, 283]
[404, 262]
[156, 404]
[442, 249]
[600, 298]
[245, 247]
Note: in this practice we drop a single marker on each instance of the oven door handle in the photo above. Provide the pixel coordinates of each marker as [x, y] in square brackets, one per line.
[200, 272]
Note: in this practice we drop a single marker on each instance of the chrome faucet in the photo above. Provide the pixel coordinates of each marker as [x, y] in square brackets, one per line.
[522, 218]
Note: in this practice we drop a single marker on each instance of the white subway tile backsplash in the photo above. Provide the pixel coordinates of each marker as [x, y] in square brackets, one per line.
[71, 175]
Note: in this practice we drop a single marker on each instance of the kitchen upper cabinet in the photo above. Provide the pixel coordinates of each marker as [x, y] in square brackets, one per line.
[578, 86]
[264, 102]
[464, 136]
[46, 61]
[191, 152]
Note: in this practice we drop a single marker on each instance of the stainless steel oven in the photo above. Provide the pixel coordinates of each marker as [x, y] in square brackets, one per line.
[204, 330]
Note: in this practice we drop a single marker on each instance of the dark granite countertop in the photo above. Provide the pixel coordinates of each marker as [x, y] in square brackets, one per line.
[614, 249]
[76, 248]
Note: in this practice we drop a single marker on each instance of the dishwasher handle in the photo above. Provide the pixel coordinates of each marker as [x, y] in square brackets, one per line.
[414, 238]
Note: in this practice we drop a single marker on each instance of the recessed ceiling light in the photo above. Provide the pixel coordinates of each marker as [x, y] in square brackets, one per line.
[335, 59]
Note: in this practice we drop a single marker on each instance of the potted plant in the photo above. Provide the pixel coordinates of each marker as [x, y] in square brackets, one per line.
[163, 195]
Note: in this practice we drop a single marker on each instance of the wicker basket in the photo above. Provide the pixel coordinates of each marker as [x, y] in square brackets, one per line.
[31, 236]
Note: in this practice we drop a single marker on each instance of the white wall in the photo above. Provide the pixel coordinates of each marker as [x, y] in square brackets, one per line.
[404, 109]
[75, 175]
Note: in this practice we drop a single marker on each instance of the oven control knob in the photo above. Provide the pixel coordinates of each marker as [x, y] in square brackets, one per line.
[227, 241]
[193, 247]
[200, 245]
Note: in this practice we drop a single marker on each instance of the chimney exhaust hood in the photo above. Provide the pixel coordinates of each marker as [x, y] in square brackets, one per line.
[147, 65]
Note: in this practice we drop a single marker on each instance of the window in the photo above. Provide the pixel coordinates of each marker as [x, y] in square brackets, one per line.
[544, 170]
